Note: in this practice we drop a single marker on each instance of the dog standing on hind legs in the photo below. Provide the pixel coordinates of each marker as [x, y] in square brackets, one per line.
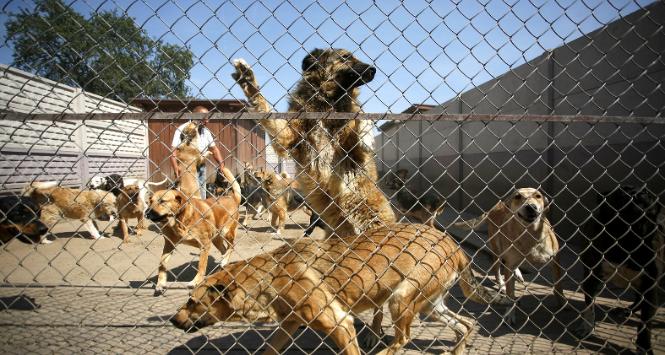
[335, 158]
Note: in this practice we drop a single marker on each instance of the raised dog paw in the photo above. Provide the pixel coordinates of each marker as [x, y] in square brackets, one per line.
[243, 72]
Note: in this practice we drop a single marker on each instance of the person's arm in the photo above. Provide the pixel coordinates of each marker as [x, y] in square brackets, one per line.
[174, 160]
[217, 155]
[174, 164]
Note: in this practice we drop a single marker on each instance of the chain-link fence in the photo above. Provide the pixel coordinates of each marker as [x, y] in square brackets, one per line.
[521, 143]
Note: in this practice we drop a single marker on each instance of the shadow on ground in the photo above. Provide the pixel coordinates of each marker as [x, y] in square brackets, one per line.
[182, 273]
[306, 341]
[18, 303]
[270, 229]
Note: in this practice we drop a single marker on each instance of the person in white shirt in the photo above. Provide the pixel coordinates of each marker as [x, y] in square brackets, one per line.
[206, 142]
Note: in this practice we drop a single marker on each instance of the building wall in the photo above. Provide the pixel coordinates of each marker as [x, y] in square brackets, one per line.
[617, 70]
[67, 151]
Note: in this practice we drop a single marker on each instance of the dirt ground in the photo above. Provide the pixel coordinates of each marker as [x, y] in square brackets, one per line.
[82, 295]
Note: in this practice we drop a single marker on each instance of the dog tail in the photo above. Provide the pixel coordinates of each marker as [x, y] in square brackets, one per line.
[474, 290]
[235, 186]
[30, 188]
[156, 183]
[472, 224]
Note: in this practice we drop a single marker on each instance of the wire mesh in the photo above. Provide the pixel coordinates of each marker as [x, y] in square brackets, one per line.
[525, 138]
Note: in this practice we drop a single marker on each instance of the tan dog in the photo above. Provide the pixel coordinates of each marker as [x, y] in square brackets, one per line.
[189, 158]
[61, 202]
[319, 284]
[195, 222]
[130, 205]
[517, 231]
[281, 197]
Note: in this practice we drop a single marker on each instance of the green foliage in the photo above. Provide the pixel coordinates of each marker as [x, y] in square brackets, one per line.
[107, 54]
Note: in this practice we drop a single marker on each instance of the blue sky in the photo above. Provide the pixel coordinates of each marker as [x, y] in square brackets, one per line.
[425, 52]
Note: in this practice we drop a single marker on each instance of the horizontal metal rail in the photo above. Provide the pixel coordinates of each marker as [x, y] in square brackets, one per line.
[158, 116]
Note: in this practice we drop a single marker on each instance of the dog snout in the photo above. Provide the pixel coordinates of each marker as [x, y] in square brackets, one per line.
[151, 214]
[41, 228]
[185, 324]
[371, 71]
[365, 71]
[531, 208]
[154, 215]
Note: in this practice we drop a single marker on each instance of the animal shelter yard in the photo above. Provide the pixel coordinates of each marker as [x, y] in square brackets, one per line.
[323, 177]
[80, 295]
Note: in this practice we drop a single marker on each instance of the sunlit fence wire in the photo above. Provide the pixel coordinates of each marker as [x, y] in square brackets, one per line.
[565, 99]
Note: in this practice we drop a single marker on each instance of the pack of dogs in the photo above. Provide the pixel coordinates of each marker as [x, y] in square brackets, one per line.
[368, 258]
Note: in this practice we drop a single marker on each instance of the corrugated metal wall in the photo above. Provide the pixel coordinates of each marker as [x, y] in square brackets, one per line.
[70, 152]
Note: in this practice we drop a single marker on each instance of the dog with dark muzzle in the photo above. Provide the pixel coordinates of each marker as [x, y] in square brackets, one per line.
[20, 219]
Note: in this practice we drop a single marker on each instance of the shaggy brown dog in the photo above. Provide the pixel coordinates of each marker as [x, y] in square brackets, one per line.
[335, 159]
[319, 284]
[61, 202]
[130, 205]
[518, 231]
[195, 222]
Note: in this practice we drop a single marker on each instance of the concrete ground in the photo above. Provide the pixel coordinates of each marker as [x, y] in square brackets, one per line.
[81, 295]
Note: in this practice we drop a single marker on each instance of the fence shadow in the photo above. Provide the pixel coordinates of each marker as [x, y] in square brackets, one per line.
[18, 303]
[269, 229]
[182, 273]
[306, 341]
[540, 317]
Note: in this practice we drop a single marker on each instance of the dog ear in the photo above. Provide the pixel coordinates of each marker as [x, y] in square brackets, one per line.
[546, 203]
[179, 197]
[311, 61]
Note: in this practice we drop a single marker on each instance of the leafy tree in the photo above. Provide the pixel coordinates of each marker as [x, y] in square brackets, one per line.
[107, 54]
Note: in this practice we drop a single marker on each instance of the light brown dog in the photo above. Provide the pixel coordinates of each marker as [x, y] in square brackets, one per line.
[61, 202]
[518, 231]
[281, 197]
[334, 158]
[189, 158]
[320, 284]
[130, 205]
[195, 222]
